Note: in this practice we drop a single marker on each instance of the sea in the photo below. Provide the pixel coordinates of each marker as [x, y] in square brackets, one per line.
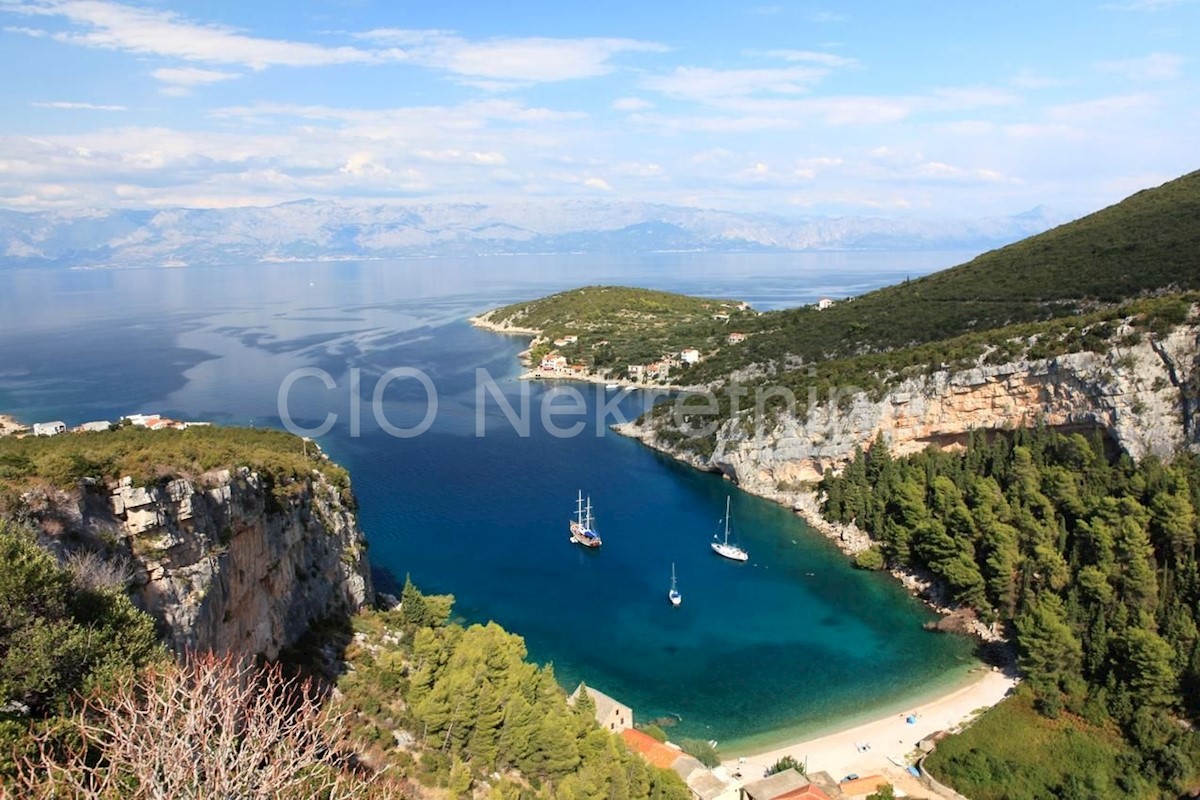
[467, 477]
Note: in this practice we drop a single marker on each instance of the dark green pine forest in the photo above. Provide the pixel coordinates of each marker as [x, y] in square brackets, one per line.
[1090, 563]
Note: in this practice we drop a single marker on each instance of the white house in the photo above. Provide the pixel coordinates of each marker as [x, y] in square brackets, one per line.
[49, 428]
[553, 362]
[98, 425]
[737, 338]
[690, 356]
[824, 303]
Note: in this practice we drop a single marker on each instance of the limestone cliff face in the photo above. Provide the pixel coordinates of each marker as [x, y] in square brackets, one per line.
[226, 561]
[1146, 396]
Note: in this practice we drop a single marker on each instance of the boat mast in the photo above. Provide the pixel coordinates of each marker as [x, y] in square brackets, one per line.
[726, 520]
[579, 508]
[672, 576]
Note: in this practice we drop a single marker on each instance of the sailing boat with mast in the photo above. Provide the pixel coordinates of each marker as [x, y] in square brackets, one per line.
[724, 548]
[675, 597]
[582, 526]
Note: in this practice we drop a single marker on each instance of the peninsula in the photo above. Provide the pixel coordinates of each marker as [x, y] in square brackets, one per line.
[622, 335]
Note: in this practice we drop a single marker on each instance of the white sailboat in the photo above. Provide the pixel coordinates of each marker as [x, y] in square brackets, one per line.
[724, 548]
[675, 597]
[582, 526]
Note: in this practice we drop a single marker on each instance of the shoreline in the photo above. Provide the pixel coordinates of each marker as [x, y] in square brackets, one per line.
[10, 425]
[891, 740]
[484, 322]
[850, 539]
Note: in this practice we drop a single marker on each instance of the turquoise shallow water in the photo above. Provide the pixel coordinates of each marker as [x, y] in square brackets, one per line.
[791, 640]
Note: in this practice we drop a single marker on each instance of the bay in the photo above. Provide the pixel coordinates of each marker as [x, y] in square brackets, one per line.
[793, 639]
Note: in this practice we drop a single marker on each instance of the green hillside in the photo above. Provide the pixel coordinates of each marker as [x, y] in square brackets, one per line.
[1145, 244]
[617, 326]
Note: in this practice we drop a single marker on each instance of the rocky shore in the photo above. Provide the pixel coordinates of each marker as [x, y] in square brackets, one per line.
[850, 539]
[10, 425]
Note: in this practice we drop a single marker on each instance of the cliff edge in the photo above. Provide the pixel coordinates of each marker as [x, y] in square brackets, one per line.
[229, 559]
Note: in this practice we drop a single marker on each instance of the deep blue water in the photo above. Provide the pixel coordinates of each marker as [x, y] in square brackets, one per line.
[793, 637]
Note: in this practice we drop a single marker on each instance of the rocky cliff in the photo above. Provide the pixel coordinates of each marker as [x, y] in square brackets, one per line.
[1144, 394]
[229, 560]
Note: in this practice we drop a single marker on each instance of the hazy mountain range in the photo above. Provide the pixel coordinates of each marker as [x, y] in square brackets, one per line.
[317, 230]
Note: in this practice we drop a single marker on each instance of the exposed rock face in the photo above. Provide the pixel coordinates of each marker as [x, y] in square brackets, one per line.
[1146, 396]
[227, 562]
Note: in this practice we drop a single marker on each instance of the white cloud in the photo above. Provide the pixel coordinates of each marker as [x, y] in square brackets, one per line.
[1154, 67]
[113, 26]
[1146, 5]
[1102, 109]
[828, 16]
[631, 104]
[180, 79]
[451, 156]
[809, 168]
[813, 57]
[637, 170]
[501, 60]
[703, 84]
[71, 106]
[597, 183]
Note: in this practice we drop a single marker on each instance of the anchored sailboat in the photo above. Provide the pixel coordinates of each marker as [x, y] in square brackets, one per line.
[724, 548]
[581, 526]
[675, 597]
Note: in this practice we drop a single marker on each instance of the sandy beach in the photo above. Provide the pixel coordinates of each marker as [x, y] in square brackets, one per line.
[10, 425]
[841, 753]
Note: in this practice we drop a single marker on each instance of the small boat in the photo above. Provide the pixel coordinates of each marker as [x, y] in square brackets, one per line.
[581, 526]
[612, 386]
[724, 548]
[675, 597]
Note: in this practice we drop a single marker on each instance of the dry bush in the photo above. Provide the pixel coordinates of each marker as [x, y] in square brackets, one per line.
[97, 572]
[210, 727]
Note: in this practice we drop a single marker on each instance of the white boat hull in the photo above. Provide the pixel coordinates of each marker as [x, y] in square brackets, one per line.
[732, 552]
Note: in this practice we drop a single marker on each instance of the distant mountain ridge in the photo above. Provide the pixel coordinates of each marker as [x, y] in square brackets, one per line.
[309, 230]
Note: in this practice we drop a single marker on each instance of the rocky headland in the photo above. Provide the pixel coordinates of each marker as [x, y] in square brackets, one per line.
[229, 560]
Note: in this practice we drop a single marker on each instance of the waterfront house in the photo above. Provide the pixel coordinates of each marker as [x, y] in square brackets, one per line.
[824, 303]
[737, 338]
[702, 783]
[553, 362]
[659, 370]
[613, 716]
[789, 784]
[141, 420]
[636, 372]
[861, 787]
[49, 428]
[98, 425]
[690, 356]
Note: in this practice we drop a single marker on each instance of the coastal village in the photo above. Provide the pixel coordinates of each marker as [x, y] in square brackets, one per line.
[653, 347]
[9, 426]
[858, 755]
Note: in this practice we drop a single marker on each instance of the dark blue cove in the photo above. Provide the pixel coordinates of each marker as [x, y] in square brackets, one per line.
[793, 638]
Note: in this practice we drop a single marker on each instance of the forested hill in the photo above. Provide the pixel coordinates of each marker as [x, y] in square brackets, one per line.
[1092, 566]
[1147, 243]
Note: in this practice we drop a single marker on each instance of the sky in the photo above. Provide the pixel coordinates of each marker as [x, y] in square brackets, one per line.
[918, 109]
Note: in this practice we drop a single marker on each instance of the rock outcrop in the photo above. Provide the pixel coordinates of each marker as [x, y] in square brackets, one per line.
[1145, 395]
[226, 561]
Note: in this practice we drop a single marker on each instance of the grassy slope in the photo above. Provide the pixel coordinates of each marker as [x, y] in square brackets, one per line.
[1013, 752]
[640, 325]
[1145, 243]
[150, 455]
